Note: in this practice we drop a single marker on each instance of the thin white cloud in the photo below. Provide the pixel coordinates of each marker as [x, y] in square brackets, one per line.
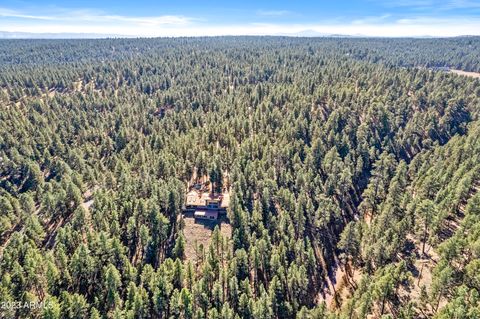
[462, 4]
[406, 3]
[442, 5]
[372, 20]
[273, 13]
[160, 20]
[94, 16]
[4, 12]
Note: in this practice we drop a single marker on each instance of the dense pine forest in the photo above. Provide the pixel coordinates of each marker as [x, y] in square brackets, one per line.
[353, 164]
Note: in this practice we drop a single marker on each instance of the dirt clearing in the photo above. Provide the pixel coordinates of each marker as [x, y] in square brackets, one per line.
[199, 232]
[475, 75]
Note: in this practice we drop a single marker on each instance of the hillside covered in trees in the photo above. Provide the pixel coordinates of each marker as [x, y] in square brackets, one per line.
[354, 167]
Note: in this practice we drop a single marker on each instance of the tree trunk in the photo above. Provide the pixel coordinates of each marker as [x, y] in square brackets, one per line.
[424, 238]
[383, 306]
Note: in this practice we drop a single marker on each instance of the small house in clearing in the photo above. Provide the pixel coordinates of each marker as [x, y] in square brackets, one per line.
[205, 205]
[204, 200]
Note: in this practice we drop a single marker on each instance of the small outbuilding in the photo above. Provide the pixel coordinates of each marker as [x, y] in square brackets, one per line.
[208, 215]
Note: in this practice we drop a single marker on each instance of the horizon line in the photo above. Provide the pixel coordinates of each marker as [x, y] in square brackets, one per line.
[20, 35]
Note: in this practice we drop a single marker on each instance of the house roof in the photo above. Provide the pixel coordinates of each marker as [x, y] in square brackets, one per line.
[195, 198]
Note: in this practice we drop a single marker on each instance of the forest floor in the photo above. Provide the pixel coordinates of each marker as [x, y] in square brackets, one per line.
[342, 286]
[49, 93]
[425, 263]
[421, 273]
[465, 73]
[53, 228]
[198, 233]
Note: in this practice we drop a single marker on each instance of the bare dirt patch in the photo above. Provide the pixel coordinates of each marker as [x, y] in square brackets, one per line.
[77, 86]
[341, 286]
[198, 233]
[475, 75]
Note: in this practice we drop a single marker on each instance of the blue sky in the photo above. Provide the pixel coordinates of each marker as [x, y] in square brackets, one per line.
[247, 17]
